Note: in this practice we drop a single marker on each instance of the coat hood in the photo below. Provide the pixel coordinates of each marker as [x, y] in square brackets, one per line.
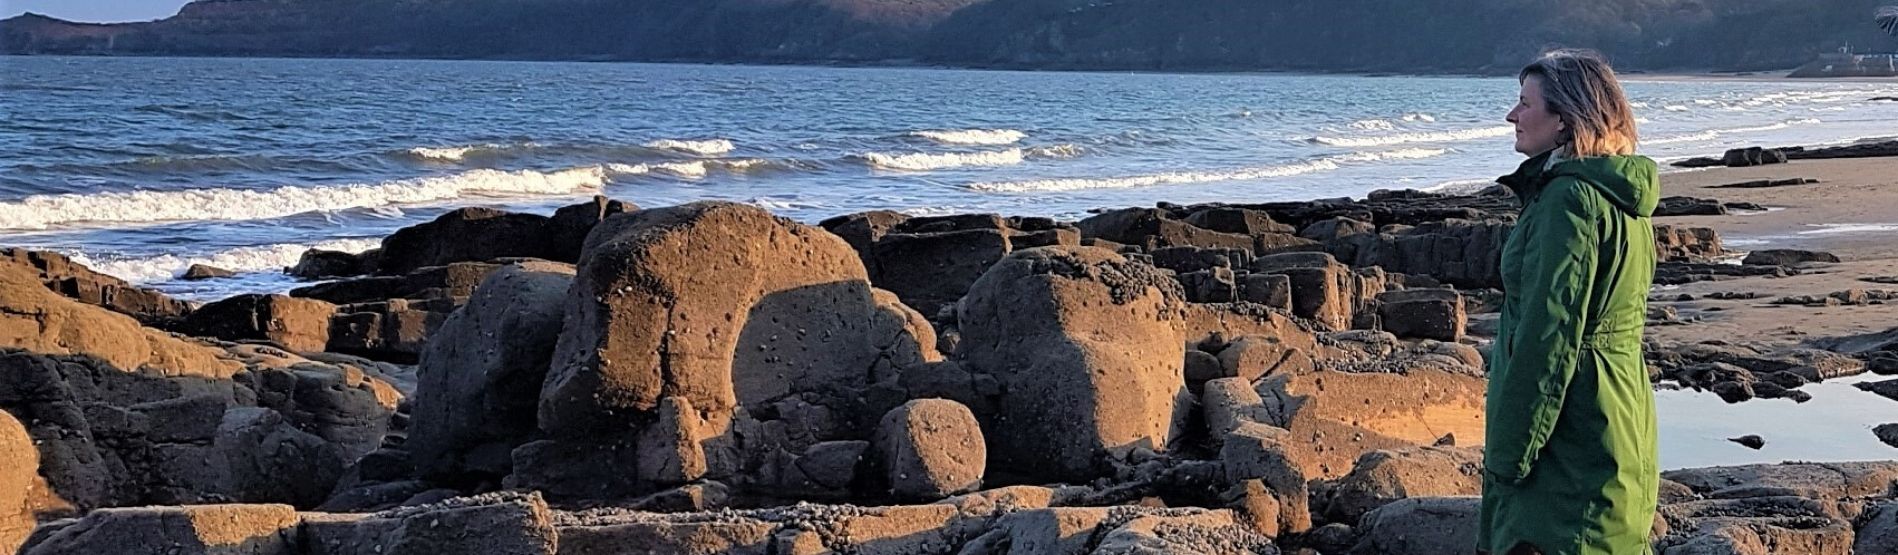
[1630, 183]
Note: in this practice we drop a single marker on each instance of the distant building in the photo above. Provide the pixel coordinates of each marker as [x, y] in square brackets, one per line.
[1850, 65]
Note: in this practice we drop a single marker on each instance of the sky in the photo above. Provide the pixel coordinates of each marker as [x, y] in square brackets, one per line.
[94, 11]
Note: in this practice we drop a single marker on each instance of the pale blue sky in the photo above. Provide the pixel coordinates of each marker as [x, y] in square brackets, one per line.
[93, 11]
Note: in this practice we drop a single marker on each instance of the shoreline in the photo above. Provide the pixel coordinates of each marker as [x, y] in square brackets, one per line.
[1762, 76]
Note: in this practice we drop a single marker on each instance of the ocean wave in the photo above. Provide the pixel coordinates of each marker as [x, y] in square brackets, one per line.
[1712, 134]
[1419, 137]
[260, 258]
[44, 211]
[1329, 163]
[1056, 151]
[711, 147]
[1374, 125]
[921, 161]
[973, 136]
[693, 169]
[1420, 117]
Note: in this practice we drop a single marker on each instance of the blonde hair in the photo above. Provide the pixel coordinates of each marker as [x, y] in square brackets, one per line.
[1581, 89]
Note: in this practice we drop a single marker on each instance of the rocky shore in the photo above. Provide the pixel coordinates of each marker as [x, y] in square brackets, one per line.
[1294, 377]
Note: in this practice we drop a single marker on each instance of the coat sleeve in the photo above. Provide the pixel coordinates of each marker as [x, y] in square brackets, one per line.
[1557, 280]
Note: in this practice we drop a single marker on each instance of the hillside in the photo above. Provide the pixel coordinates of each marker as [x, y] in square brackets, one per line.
[1319, 35]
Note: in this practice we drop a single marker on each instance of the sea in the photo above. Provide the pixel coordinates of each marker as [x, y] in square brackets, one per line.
[141, 167]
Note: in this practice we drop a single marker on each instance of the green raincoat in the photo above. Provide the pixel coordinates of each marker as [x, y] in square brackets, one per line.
[1569, 455]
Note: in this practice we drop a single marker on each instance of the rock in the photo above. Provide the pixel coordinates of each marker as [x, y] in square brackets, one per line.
[319, 264]
[758, 325]
[1273, 290]
[735, 536]
[930, 262]
[1228, 404]
[1236, 220]
[1753, 156]
[1689, 206]
[271, 461]
[1217, 285]
[19, 476]
[1151, 229]
[568, 228]
[481, 372]
[930, 449]
[299, 325]
[36, 319]
[77, 282]
[1257, 452]
[1758, 525]
[1423, 314]
[1787, 257]
[456, 280]
[1879, 531]
[1202, 366]
[1826, 481]
[1384, 476]
[505, 523]
[471, 234]
[1183, 534]
[1256, 356]
[396, 330]
[1335, 416]
[1887, 433]
[1088, 348]
[198, 272]
[1753, 442]
[194, 530]
[1887, 388]
[1419, 525]
[1323, 290]
[1698, 245]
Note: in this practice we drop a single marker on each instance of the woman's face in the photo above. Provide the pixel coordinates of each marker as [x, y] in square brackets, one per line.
[1538, 129]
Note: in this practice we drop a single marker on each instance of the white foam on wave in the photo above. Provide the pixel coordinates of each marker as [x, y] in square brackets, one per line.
[709, 147]
[921, 161]
[1374, 125]
[1712, 134]
[260, 258]
[1419, 137]
[44, 211]
[1329, 163]
[1420, 117]
[1835, 229]
[444, 154]
[693, 170]
[973, 136]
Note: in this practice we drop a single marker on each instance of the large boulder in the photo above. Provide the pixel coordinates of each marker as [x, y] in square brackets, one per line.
[1152, 228]
[1753, 526]
[931, 448]
[1383, 476]
[266, 459]
[930, 262]
[740, 319]
[1088, 349]
[38, 320]
[74, 280]
[1787, 257]
[1322, 289]
[463, 235]
[505, 523]
[1419, 525]
[1423, 314]
[191, 530]
[1337, 415]
[300, 325]
[481, 372]
[19, 470]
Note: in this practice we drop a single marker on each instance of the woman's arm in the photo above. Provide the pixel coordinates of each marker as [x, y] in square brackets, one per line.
[1558, 275]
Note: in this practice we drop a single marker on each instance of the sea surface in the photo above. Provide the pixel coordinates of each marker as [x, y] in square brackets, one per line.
[141, 167]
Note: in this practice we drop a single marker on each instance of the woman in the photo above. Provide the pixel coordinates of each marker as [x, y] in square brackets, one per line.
[1569, 460]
